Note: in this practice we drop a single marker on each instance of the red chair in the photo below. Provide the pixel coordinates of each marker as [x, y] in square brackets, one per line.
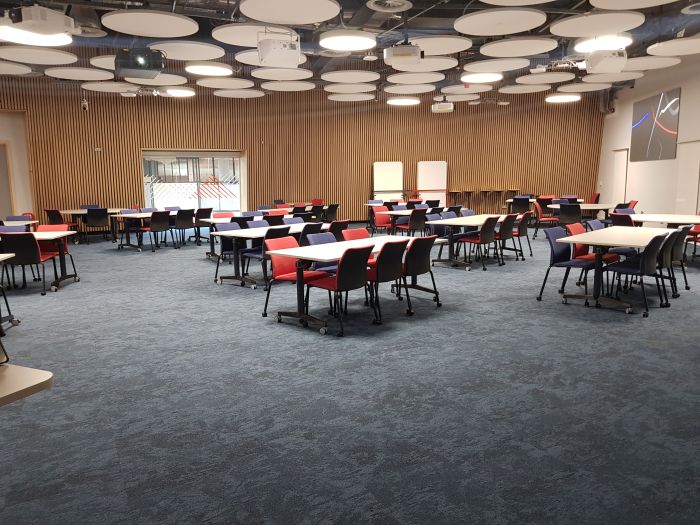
[273, 213]
[381, 221]
[222, 214]
[358, 233]
[694, 238]
[595, 198]
[284, 269]
[317, 202]
[48, 248]
[351, 275]
[541, 218]
[283, 205]
[300, 204]
[632, 204]
[521, 231]
[582, 251]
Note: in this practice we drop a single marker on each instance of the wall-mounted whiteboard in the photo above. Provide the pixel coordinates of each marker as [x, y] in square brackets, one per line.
[432, 180]
[387, 180]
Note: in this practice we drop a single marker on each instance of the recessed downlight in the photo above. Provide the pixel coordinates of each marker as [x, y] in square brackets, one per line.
[403, 101]
[603, 43]
[563, 98]
[209, 69]
[180, 92]
[347, 40]
[480, 78]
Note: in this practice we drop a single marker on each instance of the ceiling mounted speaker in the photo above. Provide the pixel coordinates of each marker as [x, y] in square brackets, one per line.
[389, 6]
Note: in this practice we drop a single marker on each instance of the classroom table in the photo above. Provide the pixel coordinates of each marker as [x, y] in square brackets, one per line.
[601, 241]
[80, 212]
[26, 223]
[326, 253]
[9, 318]
[606, 207]
[18, 382]
[454, 224]
[141, 216]
[532, 201]
[245, 234]
[672, 219]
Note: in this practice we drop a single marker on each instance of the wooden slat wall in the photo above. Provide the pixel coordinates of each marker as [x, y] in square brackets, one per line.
[299, 145]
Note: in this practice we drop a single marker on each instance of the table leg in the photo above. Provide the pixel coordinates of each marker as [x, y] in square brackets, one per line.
[451, 259]
[237, 270]
[63, 276]
[212, 247]
[300, 314]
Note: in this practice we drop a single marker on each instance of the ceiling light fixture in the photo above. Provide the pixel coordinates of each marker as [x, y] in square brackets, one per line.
[403, 101]
[180, 92]
[563, 99]
[347, 40]
[480, 78]
[37, 26]
[209, 69]
[603, 43]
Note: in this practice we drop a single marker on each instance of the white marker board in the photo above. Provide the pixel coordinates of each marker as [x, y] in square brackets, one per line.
[387, 180]
[432, 180]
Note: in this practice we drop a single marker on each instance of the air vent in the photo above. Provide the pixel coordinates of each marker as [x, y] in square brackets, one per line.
[389, 6]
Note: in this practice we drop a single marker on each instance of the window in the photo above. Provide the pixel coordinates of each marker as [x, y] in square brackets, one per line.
[193, 179]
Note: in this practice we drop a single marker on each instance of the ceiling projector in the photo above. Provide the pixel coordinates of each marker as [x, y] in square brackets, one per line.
[442, 107]
[276, 52]
[403, 54]
[606, 61]
[39, 20]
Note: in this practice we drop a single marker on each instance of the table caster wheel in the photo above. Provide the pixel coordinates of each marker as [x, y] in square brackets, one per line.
[409, 312]
[138, 250]
[76, 279]
[279, 318]
[645, 314]
[628, 310]
[253, 286]
[564, 301]
[54, 288]
[242, 283]
[264, 314]
[15, 322]
[323, 330]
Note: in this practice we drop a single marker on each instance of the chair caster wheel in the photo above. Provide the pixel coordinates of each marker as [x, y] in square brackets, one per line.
[409, 312]
[469, 268]
[54, 288]
[76, 280]
[264, 314]
[253, 286]
[242, 283]
[564, 301]
[586, 304]
[628, 311]
[439, 304]
[279, 318]
[376, 322]
[304, 323]
[400, 298]
[323, 330]
[43, 293]
[138, 250]
[645, 314]
[15, 322]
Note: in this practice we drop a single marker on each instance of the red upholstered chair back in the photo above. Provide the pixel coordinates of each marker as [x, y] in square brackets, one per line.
[50, 246]
[538, 209]
[283, 205]
[380, 219]
[222, 214]
[575, 229]
[277, 212]
[281, 265]
[632, 204]
[317, 202]
[355, 233]
[595, 198]
[302, 204]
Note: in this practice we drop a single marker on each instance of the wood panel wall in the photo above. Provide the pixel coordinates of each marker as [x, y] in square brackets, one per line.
[299, 145]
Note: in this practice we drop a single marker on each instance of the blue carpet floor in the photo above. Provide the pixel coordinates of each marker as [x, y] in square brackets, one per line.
[174, 401]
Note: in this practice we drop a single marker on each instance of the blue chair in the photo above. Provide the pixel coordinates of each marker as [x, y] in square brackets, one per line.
[258, 252]
[258, 224]
[12, 229]
[467, 212]
[226, 244]
[448, 215]
[89, 206]
[251, 214]
[148, 210]
[560, 257]
[292, 220]
[437, 229]
[595, 224]
[628, 211]
[401, 220]
[172, 208]
[422, 207]
[375, 201]
[322, 238]
[17, 218]
[264, 207]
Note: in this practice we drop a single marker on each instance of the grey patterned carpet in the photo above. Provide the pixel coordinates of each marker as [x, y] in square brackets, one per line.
[176, 402]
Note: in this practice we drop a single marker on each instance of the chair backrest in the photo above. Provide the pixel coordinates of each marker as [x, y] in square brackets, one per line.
[264, 207]
[432, 203]
[337, 227]
[575, 229]
[160, 221]
[275, 233]
[375, 201]
[305, 216]
[97, 217]
[422, 207]
[569, 214]
[454, 209]
[543, 201]
[332, 212]
[389, 261]
[560, 202]
[595, 198]
[573, 199]
[23, 245]
[54, 217]
[221, 214]
[202, 213]
[628, 211]
[317, 202]
[632, 204]
[257, 224]
[50, 245]
[466, 212]
[352, 268]
[299, 204]
[320, 238]
[415, 201]
[559, 252]
[679, 245]
[309, 229]
[520, 205]
[281, 204]
[381, 219]
[410, 205]
[522, 224]
[488, 230]
[130, 211]
[16, 218]
[417, 259]
[355, 233]
[281, 265]
[251, 214]
[278, 201]
[595, 224]
[89, 206]
[12, 229]
[417, 219]
[436, 210]
[227, 226]
[276, 212]
[648, 258]
[292, 220]
[184, 219]
[538, 209]
[172, 208]
[389, 205]
[148, 210]
[621, 219]
[436, 229]
[621, 205]
[506, 229]
[317, 210]
[448, 215]
[299, 209]
[665, 257]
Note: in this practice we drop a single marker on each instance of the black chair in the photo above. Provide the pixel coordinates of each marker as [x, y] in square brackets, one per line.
[309, 228]
[434, 211]
[331, 213]
[521, 231]
[305, 216]
[678, 255]
[55, 217]
[485, 237]
[433, 203]
[664, 261]
[455, 209]
[184, 220]
[411, 205]
[337, 227]
[417, 262]
[298, 209]
[317, 213]
[386, 267]
[569, 214]
[520, 205]
[160, 223]
[202, 213]
[389, 205]
[27, 253]
[505, 233]
[275, 220]
[96, 221]
[560, 257]
[416, 222]
[258, 253]
[227, 248]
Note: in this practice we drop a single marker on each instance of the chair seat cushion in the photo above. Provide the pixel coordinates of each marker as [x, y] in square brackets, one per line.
[330, 282]
[549, 219]
[309, 275]
[402, 220]
[626, 267]
[576, 263]
[46, 256]
[627, 252]
[607, 258]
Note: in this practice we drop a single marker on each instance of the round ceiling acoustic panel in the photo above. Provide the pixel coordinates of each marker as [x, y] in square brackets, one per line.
[650, 62]
[515, 3]
[252, 58]
[415, 78]
[293, 12]
[37, 55]
[351, 97]
[583, 87]
[461, 98]
[8, 68]
[498, 65]
[441, 44]
[248, 35]
[188, 50]
[79, 73]
[521, 89]
[103, 61]
[109, 87]
[621, 5]
[287, 85]
[597, 23]
[350, 76]
[161, 79]
[677, 47]
[606, 78]
[409, 89]
[145, 22]
[428, 64]
[350, 88]
[503, 21]
[281, 73]
[225, 83]
[466, 89]
[553, 77]
[239, 93]
[518, 47]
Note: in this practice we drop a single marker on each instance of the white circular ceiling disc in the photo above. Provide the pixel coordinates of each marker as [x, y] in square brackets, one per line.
[350, 88]
[161, 79]
[103, 61]
[583, 87]
[428, 64]
[351, 97]
[409, 89]
[518, 47]
[461, 98]
[145, 22]
[37, 55]
[252, 58]
[441, 44]
[78, 73]
[522, 89]
[677, 47]
[281, 73]
[109, 87]
[248, 35]
[282, 85]
[650, 62]
[597, 24]
[469, 89]
[515, 3]
[502, 21]
[293, 12]
[225, 83]
[498, 65]
[350, 76]
[188, 50]
[553, 77]
[8, 68]
[415, 78]
[239, 93]
[606, 78]
[621, 5]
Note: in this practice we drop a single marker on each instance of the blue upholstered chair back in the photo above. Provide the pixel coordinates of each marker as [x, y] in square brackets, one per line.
[292, 220]
[559, 252]
[466, 212]
[258, 224]
[448, 215]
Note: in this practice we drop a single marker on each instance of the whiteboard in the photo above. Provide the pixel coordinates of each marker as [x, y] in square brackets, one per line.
[432, 180]
[388, 176]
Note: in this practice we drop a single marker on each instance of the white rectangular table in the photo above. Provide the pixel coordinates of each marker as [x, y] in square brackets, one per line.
[9, 318]
[20, 223]
[604, 239]
[83, 211]
[605, 207]
[672, 219]
[140, 216]
[453, 225]
[17, 382]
